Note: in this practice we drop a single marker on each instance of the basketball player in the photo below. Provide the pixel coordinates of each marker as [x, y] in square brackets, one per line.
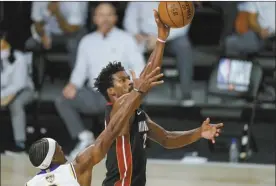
[126, 158]
[47, 155]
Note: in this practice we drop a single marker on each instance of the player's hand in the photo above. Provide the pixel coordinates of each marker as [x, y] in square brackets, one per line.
[69, 91]
[210, 131]
[147, 79]
[163, 30]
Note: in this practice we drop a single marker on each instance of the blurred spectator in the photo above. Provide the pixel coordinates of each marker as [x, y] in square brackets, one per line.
[57, 24]
[17, 90]
[259, 27]
[229, 11]
[95, 50]
[139, 21]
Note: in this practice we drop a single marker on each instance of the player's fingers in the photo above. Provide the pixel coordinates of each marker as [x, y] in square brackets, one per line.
[205, 122]
[146, 70]
[218, 125]
[217, 134]
[133, 74]
[153, 84]
[152, 73]
[218, 130]
[156, 77]
[156, 15]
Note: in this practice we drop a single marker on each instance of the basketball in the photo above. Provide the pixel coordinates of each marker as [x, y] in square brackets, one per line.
[176, 14]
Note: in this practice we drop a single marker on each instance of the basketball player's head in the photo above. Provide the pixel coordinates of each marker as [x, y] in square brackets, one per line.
[113, 81]
[105, 17]
[46, 152]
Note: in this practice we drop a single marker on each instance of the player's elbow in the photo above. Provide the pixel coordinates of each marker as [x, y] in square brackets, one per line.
[165, 142]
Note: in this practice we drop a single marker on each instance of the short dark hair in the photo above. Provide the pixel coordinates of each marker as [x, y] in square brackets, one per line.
[38, 151]
[105, 79]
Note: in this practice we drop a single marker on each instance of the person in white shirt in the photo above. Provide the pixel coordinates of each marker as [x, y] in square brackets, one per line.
[261, 22]
[95, 51]
[139, 22]
[56, 26]
[17, 90]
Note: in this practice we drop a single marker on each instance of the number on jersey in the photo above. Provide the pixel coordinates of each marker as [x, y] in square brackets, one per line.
[145, 136]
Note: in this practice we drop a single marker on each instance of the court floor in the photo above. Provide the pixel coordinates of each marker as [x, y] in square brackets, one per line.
[16, 170]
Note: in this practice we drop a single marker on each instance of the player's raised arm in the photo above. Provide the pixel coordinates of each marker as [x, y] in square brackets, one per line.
[156, 56]
[122, 111]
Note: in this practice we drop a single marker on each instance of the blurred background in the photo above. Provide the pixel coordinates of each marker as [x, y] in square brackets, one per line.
[220, 66]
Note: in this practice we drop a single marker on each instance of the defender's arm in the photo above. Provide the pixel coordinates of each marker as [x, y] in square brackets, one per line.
[123, 110]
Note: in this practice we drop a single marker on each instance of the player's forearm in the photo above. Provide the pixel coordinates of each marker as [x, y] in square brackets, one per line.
[178, 139]
[123, 115]
[94, 154]
[156, 56]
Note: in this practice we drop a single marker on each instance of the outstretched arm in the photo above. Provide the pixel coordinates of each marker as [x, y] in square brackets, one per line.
[178, 139]
[156, 56]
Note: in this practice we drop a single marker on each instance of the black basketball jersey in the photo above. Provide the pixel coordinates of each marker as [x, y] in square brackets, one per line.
[126, 159]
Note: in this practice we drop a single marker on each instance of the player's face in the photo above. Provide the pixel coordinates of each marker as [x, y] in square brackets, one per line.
[122, 83]
[105, 17]
[59, 155]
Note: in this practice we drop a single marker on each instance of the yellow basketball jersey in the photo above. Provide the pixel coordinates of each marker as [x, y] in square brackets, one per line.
[63, 175]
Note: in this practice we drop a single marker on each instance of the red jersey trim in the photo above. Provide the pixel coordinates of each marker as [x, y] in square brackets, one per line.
[124, 159]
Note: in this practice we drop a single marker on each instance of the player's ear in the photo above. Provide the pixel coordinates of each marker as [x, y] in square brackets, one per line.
[55, 159]
[111, 91]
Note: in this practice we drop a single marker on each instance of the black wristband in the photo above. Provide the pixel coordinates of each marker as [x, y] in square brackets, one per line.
[135, 89]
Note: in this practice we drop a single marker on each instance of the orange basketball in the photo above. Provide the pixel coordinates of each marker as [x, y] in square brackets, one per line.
[176, 14]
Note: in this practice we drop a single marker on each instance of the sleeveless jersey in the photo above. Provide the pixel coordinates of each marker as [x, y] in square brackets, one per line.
[126, 159]
[63, 175]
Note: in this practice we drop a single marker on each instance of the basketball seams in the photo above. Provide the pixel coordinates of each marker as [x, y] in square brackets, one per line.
[169, 15]
[183, 15]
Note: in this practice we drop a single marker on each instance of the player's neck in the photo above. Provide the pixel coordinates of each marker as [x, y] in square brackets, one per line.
[50, 169]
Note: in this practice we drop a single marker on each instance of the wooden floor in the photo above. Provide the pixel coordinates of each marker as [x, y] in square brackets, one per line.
[16, 170]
